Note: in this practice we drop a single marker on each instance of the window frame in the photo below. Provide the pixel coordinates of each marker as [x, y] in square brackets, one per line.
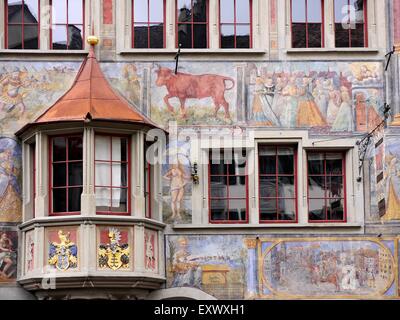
[129, 180]
[192, 24]
[295, 175]
[22, 25]
[50, 162]
[34, 171]
[234, 23]
[237, 222]
[306, 22]
[344, 175]
[365, 27]
[148, 25]
[66, 25]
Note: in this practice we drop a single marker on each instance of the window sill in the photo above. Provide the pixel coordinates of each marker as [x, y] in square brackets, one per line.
[39, 52]
[192, 51]
[331, 50]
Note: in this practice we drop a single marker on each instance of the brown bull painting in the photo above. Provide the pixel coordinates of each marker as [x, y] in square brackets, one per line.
[186, 86]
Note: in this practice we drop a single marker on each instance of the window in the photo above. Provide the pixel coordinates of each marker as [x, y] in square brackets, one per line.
[235, 23]
[350, 23]
[148, 24]
[326, 187]
[22, 24]
[307, 23]
[112, 175]
[277, 183]
[67, 24]
[192, 23]
[228, 187]
[33, 161]
[66, 154]
[148, 185]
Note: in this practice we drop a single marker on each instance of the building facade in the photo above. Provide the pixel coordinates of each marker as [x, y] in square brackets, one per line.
[227, 149]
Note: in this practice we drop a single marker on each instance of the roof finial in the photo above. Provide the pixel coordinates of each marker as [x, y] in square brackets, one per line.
[92, 40]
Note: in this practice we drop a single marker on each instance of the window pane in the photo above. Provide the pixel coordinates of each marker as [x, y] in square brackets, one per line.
[156, 10]
[298, 10]
[317, 209]
[140, 36]
[157, 36]
[334, 163]
[237, 209]
[342, 39]
[14, 9]
[119, 202]
[227, 36]
[14, 37]
[335, 187]
[218, 169]
[336, 209]
[59, 200]
[357, 36]
[75, 174]
[285, 161]
[286, 209]
[103, 198]
[237, 190]
[103, 174]
[316, 187]
[200, 36]
[314, 11]
[75, 33]
[119, 175]
[299, 37]
[75, 148]
[286, 187]
[185, 35]
[103, 148]
[341, 11]
[184, 10]
[31, 14]
[59, 11]
[243, 36]
[243, 11]
[75, 12]
[74, 199]
[219, 209]
[31, 38]
[268, 209]
[59, 37]
[140, 11]
[267, 160]
[316, 164]
[59, 175]
[227, 11]
[59, 149]
[200, 10]
[267, 187]
[359, 10]
[314, 35]
[218, 187]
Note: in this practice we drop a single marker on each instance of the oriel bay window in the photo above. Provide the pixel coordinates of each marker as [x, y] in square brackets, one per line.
[112, 175]
[326, 187]
[228, 186]
[277, 184]
[22, 24]
[66, 168]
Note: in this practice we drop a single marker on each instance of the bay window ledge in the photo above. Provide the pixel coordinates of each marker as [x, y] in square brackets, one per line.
[268, 226]
[192, 51]
[331, 50]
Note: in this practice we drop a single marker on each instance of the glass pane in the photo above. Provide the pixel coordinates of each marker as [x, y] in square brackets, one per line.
[342, 39]
[243, 11]
[341, 11]
[218, 187]
[59, 11]
[357, 36]
[103, 174]
[334, 163]
[335, 187]
[75, 33]
[237, 189]
[75, 148]
[59, 175]
[316, 187]
[119, 175]
[200, 36]
[31, 11]
[298, 10]
[267, 160]
[237, 209]
[185, 35]
[200, 10]
[119, 202]
[75, 174]
[59, 149]
[218, 169]
[74, 199]
[103, 148]
[219, 209]
[140, 11]
[286, 187]
[75, 12]
[336, 209]
[299, 37]
[268, 209]
[103, 198]
[31, 38]
[184, 10]
[287, 209]
[243, 36]
[59, 200]
[286, 161]
[141, 38]
[227, 36]
[315, 164]
[14, 37]
[156, 10]
[267, 187]
[314, 35]
[359, 10]
[14, 11]
[314, 11]
[227, 11]
[59, 37]
[317, 209]
[157, 36]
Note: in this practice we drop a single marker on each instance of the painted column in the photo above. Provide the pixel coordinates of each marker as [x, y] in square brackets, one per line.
[88, 198]
[251, 285]
[42, 176]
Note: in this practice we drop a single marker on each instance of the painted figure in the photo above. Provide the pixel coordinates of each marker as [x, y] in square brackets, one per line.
[30, 253]
[63, 255]
[333, 104]
[349, 281]
[344, 119]
[150, 254]
[7, 256]
[289, 108]
[12, 91]
[132, 89]
[114, 254]
[262, 104]
[393, 201]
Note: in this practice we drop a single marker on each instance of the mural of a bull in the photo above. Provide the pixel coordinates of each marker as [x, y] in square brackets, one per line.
[187, 86]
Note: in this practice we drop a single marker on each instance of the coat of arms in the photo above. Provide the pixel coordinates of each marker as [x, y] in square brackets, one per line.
[114, 255]
[63, 255]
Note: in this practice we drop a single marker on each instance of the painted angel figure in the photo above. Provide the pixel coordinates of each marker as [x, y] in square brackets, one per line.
[150, 258]
[7, 255]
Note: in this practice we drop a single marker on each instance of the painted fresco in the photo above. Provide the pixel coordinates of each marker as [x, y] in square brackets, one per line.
[62, 249]
[114, 251]
[177, 183]
[10, 180]
[214, 264]
[29, 251]
[151, 250]
[328, 268]
[8, 255]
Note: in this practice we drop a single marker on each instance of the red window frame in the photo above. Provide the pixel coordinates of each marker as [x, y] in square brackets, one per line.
[306, 22]
[22, 24]
[365, 24]
[67, 187]
[148, 22]
[67, 24]
[227, 176]
[325, 175]
[277, 175]
[148, 190]
[235, 23]
[192, 24]
[33, 154]
[111, 161]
